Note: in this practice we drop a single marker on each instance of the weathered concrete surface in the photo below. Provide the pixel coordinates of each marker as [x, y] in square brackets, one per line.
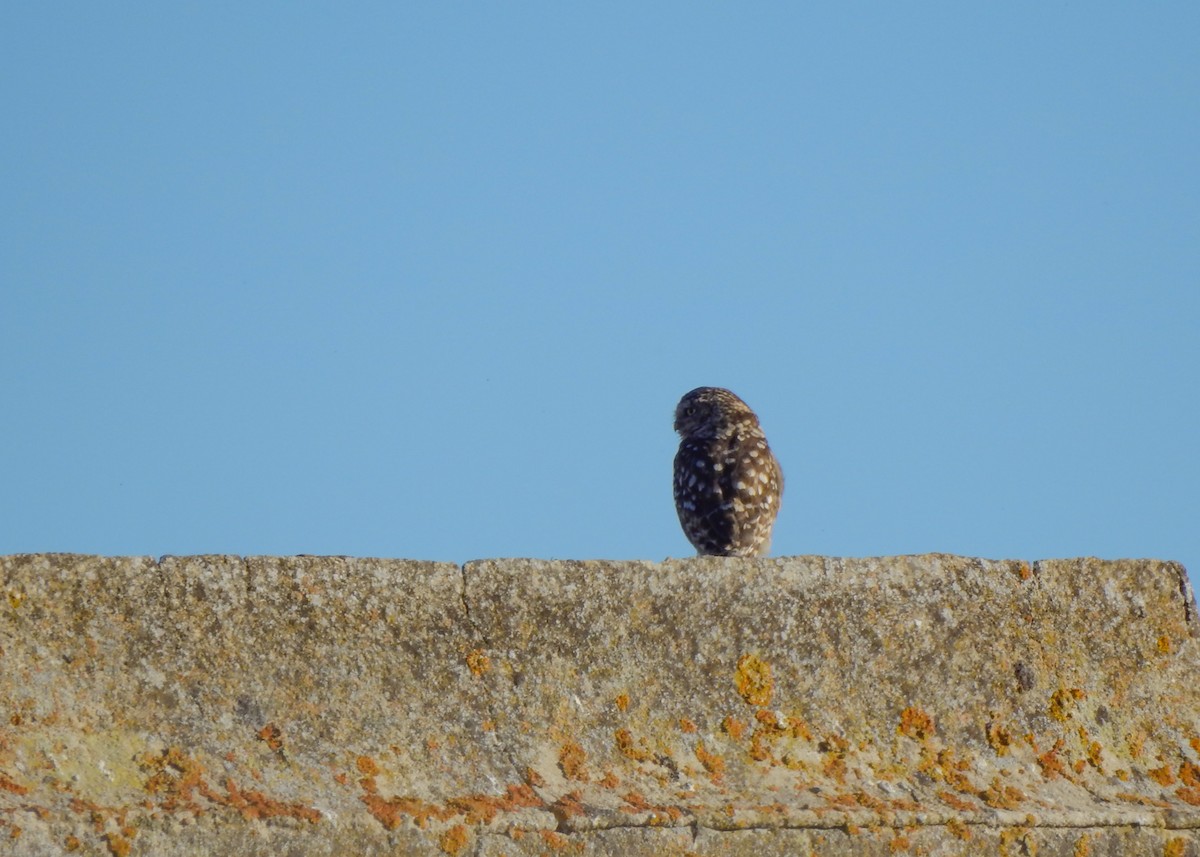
[932, 705]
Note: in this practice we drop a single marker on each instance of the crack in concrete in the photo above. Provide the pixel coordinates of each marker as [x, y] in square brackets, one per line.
[490, 697]
[1189, 600]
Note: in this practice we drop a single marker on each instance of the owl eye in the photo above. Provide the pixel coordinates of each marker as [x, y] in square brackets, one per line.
[691, 411]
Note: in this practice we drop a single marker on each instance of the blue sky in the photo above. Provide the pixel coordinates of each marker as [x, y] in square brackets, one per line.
[426, 280]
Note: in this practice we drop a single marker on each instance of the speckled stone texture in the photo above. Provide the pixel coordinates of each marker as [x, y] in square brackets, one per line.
[934, 705]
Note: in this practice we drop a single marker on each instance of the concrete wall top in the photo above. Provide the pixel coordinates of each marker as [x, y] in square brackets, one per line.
[325, 705]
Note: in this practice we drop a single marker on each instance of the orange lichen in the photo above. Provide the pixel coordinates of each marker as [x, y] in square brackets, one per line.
[1017, 841]
[958, 829]
[1001, 796]
[366, 766]
[1164, 644]
[868, 801]
[10, 785]
[771, 730]
[1188, 795]
[390, 812]
[1175, 848]
[1190, 774]
[714, 764]
[255, 805]
[454, 840]
[1050, 763]
[944, 767]
[760, 751]
[1137, 742]
[952, 800]
[483, 809]
[609, 780]
[687, 725]
[175, 776]
[915, 724]
[567, 806]
[573, 761]
[799, 728]
[1024, 571]
[1083, 846]
[733, 727]
[622, 702]
[1164, 776]
[557, 842]
[843, 801]
[118, 845]
[272, 735]
[72, 843]
[1063, 700]
[899, 843]
[478, 662]
[628, 748]
[517, 797]
[636, 803]
[766, 717]
[1095, 756]
[476, 809]
[834, 767]
[753, 680]
[534, 778]
[1142, 800]
[998, 737]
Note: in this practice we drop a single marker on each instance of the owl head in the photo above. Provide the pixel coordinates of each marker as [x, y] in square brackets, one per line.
[711, 412]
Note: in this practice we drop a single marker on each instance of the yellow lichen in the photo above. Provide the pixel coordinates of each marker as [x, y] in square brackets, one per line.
[1017, 841]
[753, 680]
[915, 724]
[454, 839]
[714, 764]
[478, 662]
[958, 829]
[272, 736]
[998, 737]
[638, 751]
[1063, 700]
[1164, 776]
[572, 759]
[733, 727]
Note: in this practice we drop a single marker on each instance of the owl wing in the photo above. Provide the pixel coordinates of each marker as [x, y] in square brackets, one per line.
[749, 486]
[704, 494]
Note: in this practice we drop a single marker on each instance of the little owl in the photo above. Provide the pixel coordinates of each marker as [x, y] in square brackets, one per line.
[727, 482]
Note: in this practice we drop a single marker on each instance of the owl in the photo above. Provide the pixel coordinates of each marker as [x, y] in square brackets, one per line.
[727, 482]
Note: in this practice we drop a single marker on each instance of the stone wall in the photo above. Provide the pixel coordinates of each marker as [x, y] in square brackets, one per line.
[934, 705]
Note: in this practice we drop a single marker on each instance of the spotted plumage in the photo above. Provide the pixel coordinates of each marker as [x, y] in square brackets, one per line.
[727, 482]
